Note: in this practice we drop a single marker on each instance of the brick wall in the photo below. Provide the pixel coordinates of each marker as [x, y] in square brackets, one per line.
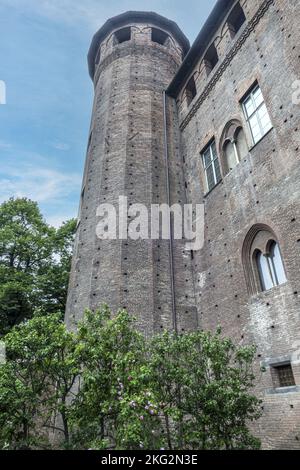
[263, 189]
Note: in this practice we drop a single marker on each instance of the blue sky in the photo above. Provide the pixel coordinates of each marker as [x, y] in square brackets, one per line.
[44, 125]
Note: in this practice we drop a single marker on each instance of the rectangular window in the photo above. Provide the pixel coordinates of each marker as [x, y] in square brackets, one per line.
[211, 166]
[123, 35]
[283, 376]
[257, 114]
[211, 59]
[190, 90]
[159, 36]
[236, 19]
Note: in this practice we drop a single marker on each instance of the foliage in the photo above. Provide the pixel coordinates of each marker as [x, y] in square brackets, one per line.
[203, 382]
[34, 263]
[39, 372]
[105, 386]
[115, 403]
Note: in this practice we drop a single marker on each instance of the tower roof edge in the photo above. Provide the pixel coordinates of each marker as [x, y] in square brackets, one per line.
[135, 16]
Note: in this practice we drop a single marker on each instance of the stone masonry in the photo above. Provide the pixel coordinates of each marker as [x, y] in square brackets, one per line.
[146, 145]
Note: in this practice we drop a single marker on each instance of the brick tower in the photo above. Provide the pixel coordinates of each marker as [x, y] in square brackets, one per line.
[132, 60]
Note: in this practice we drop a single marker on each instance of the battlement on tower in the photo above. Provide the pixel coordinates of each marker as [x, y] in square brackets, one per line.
[136, 28]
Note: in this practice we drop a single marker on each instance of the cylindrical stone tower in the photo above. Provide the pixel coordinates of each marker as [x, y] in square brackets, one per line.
[132, 59]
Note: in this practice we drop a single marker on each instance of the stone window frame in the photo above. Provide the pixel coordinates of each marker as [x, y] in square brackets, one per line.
[229, 135]
[270, 365]
[278, 376]
[259, 238]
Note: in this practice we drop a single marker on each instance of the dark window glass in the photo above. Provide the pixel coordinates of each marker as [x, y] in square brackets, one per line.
[211, 58]
[284, 375]
[123, 35]
[191, 90]
[236, 19]
[159, 36]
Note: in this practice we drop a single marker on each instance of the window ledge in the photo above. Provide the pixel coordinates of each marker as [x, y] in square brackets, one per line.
[240, 31]
[232, 170]
[212, 189]
[262, 138]
[265, 293]
[283, 390]
[191, 104]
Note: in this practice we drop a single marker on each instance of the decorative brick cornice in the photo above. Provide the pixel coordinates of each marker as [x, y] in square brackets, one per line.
[227, 60]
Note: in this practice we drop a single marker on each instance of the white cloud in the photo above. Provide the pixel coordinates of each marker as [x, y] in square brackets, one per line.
[57, 220]
[56, 191]
[60, 146]
[40, 184]
[92, 12]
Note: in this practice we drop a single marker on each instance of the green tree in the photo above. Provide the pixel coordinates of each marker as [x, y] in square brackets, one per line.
[34, 262]
[36, 383]
[15, 303]
[116, 406]
[106, 387]
[53, 277]
[203, 383]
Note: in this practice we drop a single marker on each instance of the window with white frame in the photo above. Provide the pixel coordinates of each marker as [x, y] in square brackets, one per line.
[211, 166]
[257, 114]
[270, 268]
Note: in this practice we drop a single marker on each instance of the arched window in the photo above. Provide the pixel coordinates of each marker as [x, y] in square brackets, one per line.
[262, 259]
[241, 143]
[263, 271]
[270, 267]
[232, 158]
[278, 271]
[233, 145]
